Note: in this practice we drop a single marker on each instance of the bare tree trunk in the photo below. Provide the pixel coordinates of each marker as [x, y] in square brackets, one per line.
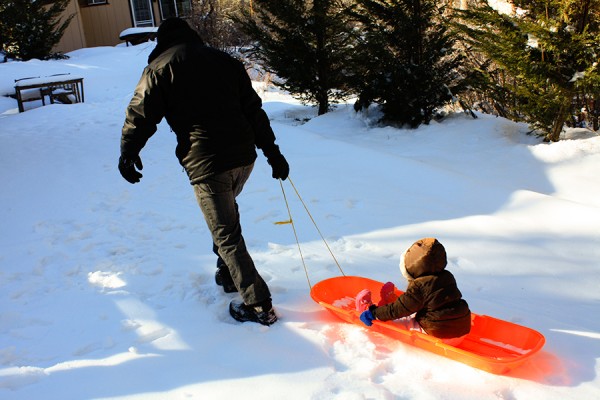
[559, 122]
[595, 113]
[322, 97]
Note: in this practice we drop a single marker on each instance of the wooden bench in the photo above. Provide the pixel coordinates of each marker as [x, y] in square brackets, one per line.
[60, 88]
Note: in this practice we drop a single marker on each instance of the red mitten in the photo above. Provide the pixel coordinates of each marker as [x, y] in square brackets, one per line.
[363, 300]
[388, 294]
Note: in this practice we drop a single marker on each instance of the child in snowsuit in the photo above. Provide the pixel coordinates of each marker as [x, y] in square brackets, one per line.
[432, 296]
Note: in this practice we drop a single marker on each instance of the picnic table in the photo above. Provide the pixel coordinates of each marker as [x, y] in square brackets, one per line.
[138, 35]
[61, 88]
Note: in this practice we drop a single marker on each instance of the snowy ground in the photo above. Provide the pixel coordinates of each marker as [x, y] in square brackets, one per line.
[107, 291]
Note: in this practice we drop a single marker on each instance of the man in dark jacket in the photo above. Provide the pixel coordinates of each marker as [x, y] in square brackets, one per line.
[208, 101]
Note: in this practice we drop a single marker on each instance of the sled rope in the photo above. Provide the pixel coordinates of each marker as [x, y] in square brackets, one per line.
[318, 230]
[291, 221]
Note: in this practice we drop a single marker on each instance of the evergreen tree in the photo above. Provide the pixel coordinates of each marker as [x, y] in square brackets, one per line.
[212, 19]
[550, 49]
[405, 59]
[306, 44]
[31, 28]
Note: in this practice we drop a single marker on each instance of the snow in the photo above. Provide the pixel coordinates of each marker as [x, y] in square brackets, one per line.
[502, 6]
[506, 346]
[47, 79]
[133, 31]
[107, 289]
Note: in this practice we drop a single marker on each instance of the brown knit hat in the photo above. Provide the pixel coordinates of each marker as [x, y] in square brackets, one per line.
[426, 256]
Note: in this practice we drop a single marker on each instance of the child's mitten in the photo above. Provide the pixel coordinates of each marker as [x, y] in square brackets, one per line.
[367, 317]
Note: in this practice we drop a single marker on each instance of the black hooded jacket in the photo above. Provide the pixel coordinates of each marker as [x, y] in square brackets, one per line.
[207, 99]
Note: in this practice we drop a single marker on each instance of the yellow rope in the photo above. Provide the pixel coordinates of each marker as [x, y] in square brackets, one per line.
[318, 230]
[291, 221]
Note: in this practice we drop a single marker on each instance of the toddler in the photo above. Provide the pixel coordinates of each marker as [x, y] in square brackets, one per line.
[432, 303]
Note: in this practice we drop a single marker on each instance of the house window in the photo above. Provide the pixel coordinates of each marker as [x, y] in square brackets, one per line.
[175, 8]
[142, 13]
[82, 3]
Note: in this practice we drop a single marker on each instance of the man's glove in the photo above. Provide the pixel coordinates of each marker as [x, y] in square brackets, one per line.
[127, 168]
[280, 166]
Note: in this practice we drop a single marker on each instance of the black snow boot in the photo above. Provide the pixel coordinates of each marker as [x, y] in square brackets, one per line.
[262, 313]
[223, 277]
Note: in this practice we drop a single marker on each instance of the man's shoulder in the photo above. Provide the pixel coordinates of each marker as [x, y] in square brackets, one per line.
[219, 55]
[170, 55]
[185, 51]
[193, 59]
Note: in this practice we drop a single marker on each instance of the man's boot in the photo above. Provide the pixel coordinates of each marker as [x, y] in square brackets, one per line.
[223, 277]
[263, 313]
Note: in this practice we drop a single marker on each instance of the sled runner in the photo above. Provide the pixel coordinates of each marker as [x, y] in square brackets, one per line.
[493, 345]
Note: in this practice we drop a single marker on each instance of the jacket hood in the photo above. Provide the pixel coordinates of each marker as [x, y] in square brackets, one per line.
[403, 270]
[426, 256]
[171, 32]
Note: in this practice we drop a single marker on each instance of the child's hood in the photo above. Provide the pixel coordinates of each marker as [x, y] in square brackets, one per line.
[426, 256]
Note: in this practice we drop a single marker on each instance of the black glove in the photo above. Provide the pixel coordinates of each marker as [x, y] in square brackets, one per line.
[127, 168]
[280, 166]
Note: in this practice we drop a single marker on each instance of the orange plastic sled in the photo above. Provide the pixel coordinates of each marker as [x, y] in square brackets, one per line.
[493, 345]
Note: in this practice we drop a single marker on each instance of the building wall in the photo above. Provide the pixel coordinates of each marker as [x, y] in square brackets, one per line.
[73, 37]
[98, 25]
[103, 23]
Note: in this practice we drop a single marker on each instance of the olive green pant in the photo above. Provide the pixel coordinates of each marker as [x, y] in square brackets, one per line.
[216, 196]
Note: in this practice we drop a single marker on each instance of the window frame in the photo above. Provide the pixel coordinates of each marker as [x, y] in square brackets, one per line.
[142, 23]
[174, 3]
